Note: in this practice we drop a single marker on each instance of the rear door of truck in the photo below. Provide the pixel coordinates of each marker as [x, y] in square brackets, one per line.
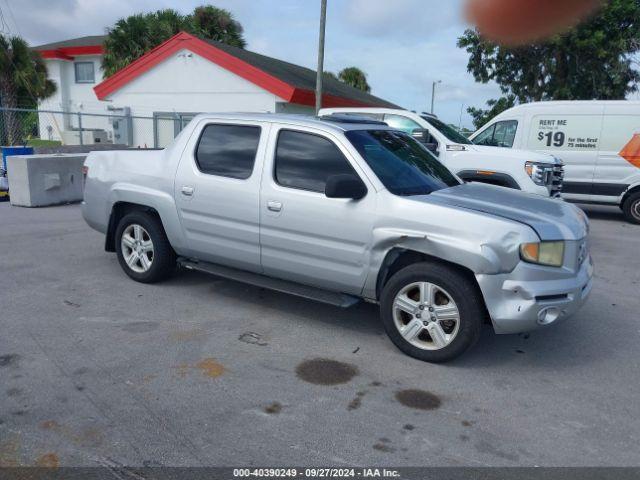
[217, 191]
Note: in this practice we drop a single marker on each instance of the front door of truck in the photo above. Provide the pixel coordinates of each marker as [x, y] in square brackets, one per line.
[305, 236]
[217, 191]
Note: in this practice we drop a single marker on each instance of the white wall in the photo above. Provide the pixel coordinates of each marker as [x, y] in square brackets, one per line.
[183, 83]
[50, 126]
[188, 83]
[292, 108]
[72, 97]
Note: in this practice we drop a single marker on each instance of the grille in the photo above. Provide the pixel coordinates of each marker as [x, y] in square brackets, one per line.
[555, 179]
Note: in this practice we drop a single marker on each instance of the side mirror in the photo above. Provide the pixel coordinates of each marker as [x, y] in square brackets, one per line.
[345, 186]
[424, 137]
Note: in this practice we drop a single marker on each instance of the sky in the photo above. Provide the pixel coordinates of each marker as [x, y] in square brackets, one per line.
[402, 45]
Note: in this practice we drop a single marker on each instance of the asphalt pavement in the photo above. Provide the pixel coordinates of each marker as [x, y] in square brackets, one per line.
[96, 369]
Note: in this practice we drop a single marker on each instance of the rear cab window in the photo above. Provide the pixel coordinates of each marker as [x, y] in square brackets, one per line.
[228, 150]
[305, 160]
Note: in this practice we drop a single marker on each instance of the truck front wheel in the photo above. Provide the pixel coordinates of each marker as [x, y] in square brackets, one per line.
[631, 208]
[143, 250]
[431, 312]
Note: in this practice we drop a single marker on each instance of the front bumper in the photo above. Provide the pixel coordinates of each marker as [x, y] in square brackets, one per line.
[524, 300]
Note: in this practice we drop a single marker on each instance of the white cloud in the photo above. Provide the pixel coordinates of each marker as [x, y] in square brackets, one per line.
[403, 45]
[400, 18]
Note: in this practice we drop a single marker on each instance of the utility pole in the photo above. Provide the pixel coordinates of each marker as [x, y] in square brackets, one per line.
[323, 22]
[433, 93]
[460, 122]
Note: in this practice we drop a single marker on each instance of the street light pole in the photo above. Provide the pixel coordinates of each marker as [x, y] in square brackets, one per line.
[433, 92]
[323, 22]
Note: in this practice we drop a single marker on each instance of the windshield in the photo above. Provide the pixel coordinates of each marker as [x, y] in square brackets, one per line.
[449, 132]
[403, 165]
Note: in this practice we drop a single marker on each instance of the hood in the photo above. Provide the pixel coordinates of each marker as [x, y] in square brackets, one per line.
[515, 154]
[552, 219]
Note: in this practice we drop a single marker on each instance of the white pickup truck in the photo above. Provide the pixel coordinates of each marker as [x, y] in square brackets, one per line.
[531, 172]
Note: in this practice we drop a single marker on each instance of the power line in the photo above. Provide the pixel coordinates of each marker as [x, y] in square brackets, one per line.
[13, 17]
[4, 26]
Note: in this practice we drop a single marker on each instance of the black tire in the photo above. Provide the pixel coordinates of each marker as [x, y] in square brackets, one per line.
[462, 290]
[163, 263]
[631, 208]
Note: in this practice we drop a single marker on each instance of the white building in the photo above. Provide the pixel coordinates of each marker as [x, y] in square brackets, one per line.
[165, 88]
[75, 66]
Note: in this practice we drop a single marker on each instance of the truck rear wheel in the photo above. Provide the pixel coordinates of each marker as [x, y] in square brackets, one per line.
[143, 250]
[431, 312]
[631, 208]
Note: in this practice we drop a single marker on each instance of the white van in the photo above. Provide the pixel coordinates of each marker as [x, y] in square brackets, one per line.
[528, 171]
[598, 141]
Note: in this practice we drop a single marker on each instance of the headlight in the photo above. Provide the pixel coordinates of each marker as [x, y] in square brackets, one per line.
[537, 172]
[543, 253]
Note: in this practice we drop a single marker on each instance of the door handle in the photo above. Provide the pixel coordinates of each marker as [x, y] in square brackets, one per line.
[186, 190]
[274, 206]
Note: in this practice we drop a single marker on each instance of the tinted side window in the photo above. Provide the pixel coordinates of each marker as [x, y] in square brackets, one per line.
[486, 137]
[228, 150]
[305, 161]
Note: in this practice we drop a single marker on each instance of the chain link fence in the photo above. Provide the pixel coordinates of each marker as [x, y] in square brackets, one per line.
[50, 128]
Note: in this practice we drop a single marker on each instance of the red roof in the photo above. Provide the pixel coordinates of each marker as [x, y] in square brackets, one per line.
[290, 82]
[68, 49]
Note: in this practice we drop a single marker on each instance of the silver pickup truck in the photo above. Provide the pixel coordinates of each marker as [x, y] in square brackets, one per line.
[339, 211]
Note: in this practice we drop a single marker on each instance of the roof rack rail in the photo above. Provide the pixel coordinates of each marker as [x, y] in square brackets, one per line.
[343, 118]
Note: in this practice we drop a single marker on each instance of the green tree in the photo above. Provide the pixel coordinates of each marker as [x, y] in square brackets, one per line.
[594, 60]
[355, 77]
[217, 24]
[132, 37]
[23, 81]
[481, 116]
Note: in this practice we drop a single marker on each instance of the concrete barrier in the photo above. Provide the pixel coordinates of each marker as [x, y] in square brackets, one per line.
[42, 180]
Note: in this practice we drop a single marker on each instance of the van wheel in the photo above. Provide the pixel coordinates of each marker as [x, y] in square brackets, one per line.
[431, 312]
[631, 208]
[143, 249]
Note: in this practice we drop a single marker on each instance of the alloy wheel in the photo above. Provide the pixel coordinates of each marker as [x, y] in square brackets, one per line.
[137, 248]
[426, 315]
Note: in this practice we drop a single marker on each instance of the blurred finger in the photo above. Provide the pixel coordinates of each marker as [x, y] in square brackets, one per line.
[514, 22]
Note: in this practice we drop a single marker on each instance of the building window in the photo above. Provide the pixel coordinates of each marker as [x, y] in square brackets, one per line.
[85, 72]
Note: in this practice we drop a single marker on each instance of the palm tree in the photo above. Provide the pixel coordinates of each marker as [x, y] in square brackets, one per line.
[355, 77]
[23, 76]
[132, 37]
[217, 24]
